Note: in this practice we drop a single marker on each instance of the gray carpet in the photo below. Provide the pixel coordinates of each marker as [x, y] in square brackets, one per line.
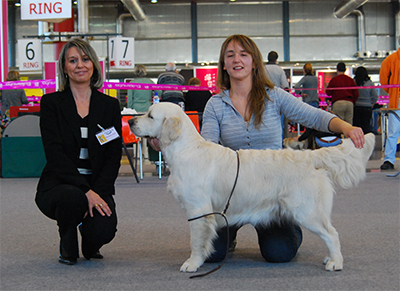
[153, 241]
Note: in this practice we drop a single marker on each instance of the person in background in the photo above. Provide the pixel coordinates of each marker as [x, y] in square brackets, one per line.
[76, 186]
[366, 100]
[274, 72]
[196, 100]
[278, 77]
[247, 115]
[140, 100]
[171, 77]
[343, 100]
[309, 82]
[15, 97]
[389, 74]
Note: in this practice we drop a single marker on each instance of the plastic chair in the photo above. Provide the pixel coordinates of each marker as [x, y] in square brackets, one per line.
[194, 117]
[129, 138]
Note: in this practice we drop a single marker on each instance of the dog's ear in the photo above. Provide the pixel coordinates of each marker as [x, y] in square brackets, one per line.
[171, 129]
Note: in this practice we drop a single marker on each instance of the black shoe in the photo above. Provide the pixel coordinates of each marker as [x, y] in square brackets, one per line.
[89, 255]
[387, 166]
[63, 258]
[97, 255]
[67, 260]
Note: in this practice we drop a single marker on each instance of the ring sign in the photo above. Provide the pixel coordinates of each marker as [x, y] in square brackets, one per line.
[121, 52]
[30, 54]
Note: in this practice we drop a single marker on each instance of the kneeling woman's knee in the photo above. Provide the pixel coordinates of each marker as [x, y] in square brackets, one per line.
[279, 243]
[279, 252]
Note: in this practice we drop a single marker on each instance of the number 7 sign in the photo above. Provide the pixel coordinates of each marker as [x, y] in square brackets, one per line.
[30, 54]
[121, 52]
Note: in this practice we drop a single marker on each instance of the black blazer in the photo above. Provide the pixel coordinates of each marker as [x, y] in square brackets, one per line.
[60, 130]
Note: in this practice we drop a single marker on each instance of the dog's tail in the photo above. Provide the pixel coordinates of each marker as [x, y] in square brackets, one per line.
[345, 163]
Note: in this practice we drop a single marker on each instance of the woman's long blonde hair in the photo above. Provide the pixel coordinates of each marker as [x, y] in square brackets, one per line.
[259, 80]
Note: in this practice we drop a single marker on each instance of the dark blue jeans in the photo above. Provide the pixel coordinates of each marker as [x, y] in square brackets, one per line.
[278, 242]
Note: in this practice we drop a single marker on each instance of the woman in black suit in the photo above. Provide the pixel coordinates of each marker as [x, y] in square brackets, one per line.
[77, 183]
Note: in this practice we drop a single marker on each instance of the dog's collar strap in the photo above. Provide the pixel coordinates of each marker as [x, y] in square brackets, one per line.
[226, 221]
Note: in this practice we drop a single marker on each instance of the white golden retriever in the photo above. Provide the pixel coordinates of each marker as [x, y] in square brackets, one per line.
[271, 183]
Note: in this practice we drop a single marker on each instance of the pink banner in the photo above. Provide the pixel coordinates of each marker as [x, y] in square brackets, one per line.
[3, 40]
[44, 84]
[107, 85]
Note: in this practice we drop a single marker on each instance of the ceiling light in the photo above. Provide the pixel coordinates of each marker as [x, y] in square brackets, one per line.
[153, 1]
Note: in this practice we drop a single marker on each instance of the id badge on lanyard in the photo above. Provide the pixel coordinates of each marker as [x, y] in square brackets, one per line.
[106, 135]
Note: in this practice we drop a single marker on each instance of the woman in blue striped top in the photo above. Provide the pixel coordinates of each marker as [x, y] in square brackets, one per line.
[247, 115]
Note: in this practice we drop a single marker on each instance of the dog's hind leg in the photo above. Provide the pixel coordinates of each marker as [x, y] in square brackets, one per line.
[323, 228]
[202, 232]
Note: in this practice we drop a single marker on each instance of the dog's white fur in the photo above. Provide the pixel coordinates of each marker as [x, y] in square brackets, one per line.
[272, 183]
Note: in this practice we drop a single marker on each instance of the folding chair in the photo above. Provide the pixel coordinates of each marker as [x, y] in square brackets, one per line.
[194, 117]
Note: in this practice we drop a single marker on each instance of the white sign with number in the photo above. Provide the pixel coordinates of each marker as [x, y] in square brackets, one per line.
[30, 54]
[45, 10]
[121, 52]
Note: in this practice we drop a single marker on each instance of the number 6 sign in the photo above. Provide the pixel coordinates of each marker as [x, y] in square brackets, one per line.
[30, 54]
[121, 52]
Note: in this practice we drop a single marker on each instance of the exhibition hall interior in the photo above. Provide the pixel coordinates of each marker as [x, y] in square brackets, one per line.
[137, 42]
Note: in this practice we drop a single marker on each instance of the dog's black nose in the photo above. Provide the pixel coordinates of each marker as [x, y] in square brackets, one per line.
[132, 121]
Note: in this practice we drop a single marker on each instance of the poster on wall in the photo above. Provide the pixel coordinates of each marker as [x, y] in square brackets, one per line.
[121, 52]
[207, 76]
[29, 54]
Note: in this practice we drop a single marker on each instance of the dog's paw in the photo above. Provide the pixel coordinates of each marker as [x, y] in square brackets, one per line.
[190, 266]
[331, 265]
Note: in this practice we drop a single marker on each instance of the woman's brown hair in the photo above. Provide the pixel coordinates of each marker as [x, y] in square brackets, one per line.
[12, 76]
[259, 80]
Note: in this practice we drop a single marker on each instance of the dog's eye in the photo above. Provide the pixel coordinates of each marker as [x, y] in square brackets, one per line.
[150, 116]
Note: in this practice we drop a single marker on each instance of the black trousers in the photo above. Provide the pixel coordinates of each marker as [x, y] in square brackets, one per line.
[362, 118]
[278, 242]
[67, 205]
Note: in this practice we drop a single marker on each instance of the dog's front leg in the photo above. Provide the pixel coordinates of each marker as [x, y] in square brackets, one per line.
[202, 232]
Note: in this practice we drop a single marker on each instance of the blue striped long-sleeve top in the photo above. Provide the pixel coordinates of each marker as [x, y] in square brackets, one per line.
[223, 123]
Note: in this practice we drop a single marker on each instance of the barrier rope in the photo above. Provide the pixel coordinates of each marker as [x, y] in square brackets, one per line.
[51, 83]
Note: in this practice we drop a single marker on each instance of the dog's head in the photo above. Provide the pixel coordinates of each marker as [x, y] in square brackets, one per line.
[293, 143]
[162, 121]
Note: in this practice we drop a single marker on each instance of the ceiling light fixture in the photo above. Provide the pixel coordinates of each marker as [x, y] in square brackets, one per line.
[153, 1]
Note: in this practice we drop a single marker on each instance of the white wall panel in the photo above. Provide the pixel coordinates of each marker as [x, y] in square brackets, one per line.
[163, 51]
[253, 20]
[162, 21]
[322, 48]
[317, 19]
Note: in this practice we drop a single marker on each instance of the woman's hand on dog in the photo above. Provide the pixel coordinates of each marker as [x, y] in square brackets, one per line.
[96, 202]
[356, 134]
